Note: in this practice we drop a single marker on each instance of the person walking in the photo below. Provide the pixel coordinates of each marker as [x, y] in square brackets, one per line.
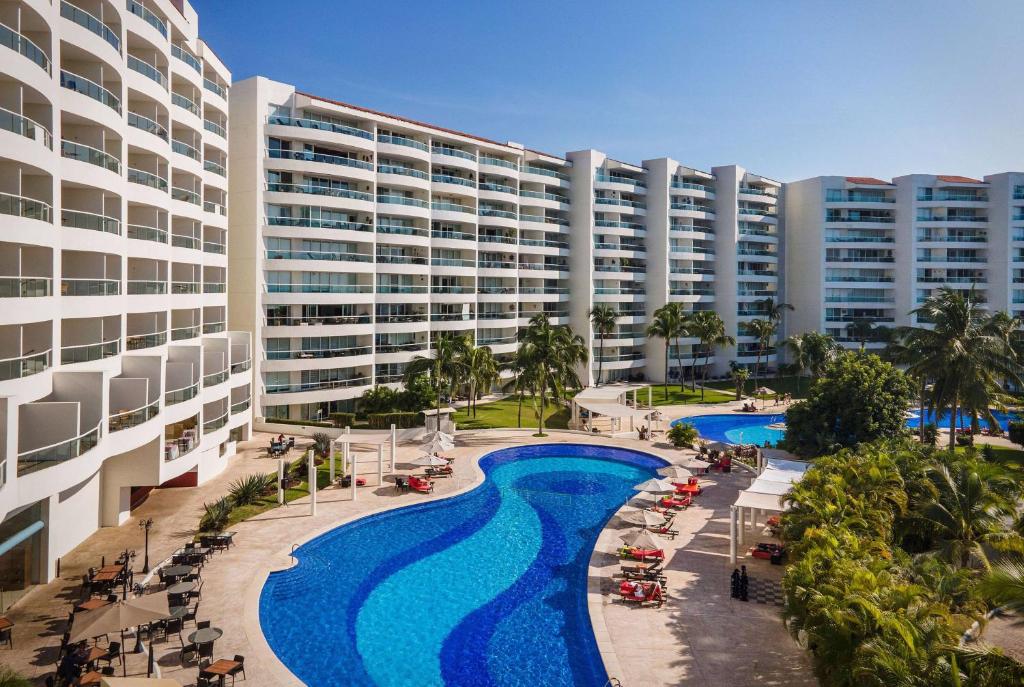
[744, 583]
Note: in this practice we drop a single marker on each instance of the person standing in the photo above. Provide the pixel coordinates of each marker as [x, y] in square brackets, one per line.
[735, 583]
[744, 583]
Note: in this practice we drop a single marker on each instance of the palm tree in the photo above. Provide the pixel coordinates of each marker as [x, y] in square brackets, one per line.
[820, 349]
[763, 331]
[709, 327]
[797, 351]
[862, 329]
[740, 376]
[1004, 585]
[479, 367]
[520, 382]
[551, 356]
[602, 319]
[443, 365]
[669, 323]
[772, 310]
[965, 353]
[906, 348]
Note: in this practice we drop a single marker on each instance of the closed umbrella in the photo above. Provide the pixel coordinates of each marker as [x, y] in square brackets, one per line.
[642, 517]
[643, 539]
[675, 472]
[657, 486]
[429, 460]
[718, 446]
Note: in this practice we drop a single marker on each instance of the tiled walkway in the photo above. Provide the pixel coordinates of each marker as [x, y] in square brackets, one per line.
[699, 637]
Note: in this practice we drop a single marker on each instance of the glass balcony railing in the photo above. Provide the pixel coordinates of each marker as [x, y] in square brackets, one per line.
[496, 238]
[23, 126]
[215, 208]
[498, 162]
[319, 385]
[614, 224]
[438, 288]
[318, 190]
[186, 104]
[308, 156]
[145, 287]
[687, 185]
[185, 241]
[617, 179]
[77, 219]
[243, 366]
[215, 128]
[403, 141]
[24, 366]
[451, 207]
[213, 327]
[451, 262]
[29, 208]
[138, 176]
[546, 172]
[496, 212]
[402, 200]
[181, 395]
[146, 124]
[500, 188]
[84, 153]
[388, 259]
[215, 87]
[452, 235]
[544, 196]
[602, 200]
[215, 378]
[23, 46]
[55, 454]
[400, 288]
[214, 287]
[317, 223]
[214, 247]
[90, 287]
[240, 407]
[450, 179]
[187, 332]
[321, 125]
[187, 57]
[132, 418]
[25, 287]
[182, 148]
[401, 230]
[138, 342]
[84, 353]
[147, 70]
[216, 168]
[402, 171]
[186, 195]
[90, 88]
[147, 16]
[453, 152]
[319, 288]
[185, 287]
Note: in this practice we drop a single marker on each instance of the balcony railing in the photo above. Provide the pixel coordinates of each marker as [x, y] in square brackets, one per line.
[24, 366]
[25, 287]
[90, 88]
[137, 342]
[146, 124]
[90, 287]
[214, 127]
[401, 259]
[400, 288]
[76, 219]
[500, 188]
[402, 200]
[143, 287]
[215, 378]
[401, 171]
[20, 206]
[317, 255]
[240, 407]
[182, 333]
[498, 162]
[546, 172]
[186, 104]
[54, 454]
[179, 287]
[181, 395]
[319, 288]
[401, 229]
[215, 87]
[139, 176]
[401, 347]
[451, 179]
[94, 156]
[544, 196]
[147, 70]
[187, 57]
[403, 141]
[214, 247]
[84, 353]
[317, 190]
[182, 148]
[138, 10]
[316, 353]
[244, 366]
[215, 208]
[24, 46]
[321, 125]
[317, 223]
[318, 385]
[453, 152]
[213, 327]
[185, 195]
[214, 287]
[618, 179]
[23, 126]
[184, 241]
[133, 418]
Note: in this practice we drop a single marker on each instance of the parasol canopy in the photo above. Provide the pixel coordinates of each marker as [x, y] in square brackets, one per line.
[120, 616]
[658, 486]
[643, 539]
[642, 517]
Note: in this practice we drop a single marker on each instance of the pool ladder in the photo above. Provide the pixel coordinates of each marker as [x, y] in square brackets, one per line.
[291, 554]
[613, 682]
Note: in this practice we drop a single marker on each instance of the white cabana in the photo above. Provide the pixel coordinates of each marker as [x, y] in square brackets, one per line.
[613, 402]
[764, 494]
[350, 464]
[447, 420]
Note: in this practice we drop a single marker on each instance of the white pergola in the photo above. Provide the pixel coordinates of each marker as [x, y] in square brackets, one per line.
[763, 495]
[611, 401]
[446, 423]
[348, 438]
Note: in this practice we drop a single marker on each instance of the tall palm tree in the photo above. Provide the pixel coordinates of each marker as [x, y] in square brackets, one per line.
[479, 368]
[906, 348]
[820, 349]
[520, 381]
[763, 331]
[709, 327]
[552, 355]
[443, 365]
[772, 310]
[797, 352]
[602, 319]
[740, 375]
[964, 353]
[668, 323]
[862, 329]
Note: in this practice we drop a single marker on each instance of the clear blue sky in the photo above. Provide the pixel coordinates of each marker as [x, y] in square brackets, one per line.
[787, 89]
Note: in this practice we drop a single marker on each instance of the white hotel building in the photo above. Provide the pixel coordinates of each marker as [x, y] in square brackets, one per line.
[356, 237]
[865, 248]
[117, 373]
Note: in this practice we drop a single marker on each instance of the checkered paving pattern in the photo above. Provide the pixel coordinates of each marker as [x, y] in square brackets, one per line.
[768, 592]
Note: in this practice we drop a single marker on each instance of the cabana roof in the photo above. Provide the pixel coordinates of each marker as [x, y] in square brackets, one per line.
[372, 438]
[778, 477]
[610, 409]
[608, 392]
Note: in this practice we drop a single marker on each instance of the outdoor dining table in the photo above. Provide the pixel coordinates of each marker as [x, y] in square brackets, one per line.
[221, 667]
[176, 571]
[104, 575]
[177, 611]
[180, 588]
[206, 635]
[95, 653]
[5, 623]
[93, 677]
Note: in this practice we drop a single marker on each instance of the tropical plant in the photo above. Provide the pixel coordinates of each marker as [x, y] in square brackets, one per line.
[479, 368]
[859, 398]
[322, 444]
[250, 489]
[763, 331]
[811, 351]
[682, 435]
[668, 323]
[709, 327]
[443, 365]
[865, 329]
[10, 678]
[773, 310]
[1004, 585]
[602, 319]
[552, 356]
[520, 382]
[966, 353]
[1016, 432]
[739, 375]
[379, 399]
[215, 515]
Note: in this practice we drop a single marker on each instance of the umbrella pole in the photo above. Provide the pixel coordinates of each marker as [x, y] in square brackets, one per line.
[121, 655]
[149, 661]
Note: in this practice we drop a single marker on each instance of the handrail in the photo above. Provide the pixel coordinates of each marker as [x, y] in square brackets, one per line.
[78, 445]
[28, 364]
[23, 45]
[20, 124]
[146, 15]
[144, 123]
[90, 22]
[134, 417]
[90, 89]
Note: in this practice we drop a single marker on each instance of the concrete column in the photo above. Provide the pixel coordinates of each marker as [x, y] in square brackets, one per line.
[732, 535]
[380, 464]
[280, 478]
[311, 461]
[332, 463]
[394, 445]
[742, 524]
[352, 472]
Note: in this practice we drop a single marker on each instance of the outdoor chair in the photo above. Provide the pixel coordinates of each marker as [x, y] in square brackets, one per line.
[206, 650]
[7, 637]
[189, 652]
[240, 668]
[207, 680]
[422, 486]
[113, 651]
[173, 626]
[190, 615]
[202, 624]
[401, 485]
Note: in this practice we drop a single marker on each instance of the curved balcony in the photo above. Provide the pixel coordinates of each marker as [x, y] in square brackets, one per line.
[156, 23]
[54, 454]
[76, 219]
[132, 418]
[25, 366]
[84, 353]
[23, 126]
[24, 46]
[185, 393]
[94, 156]
[29, 208]
[90, 89]
[148, 125]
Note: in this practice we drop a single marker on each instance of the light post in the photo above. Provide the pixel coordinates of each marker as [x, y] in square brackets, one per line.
[145, 526]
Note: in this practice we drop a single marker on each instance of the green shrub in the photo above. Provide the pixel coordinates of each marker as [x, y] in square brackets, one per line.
[215, 515]
[682, 435]
[963, 440]
[988, 453]
[379, 399]
[322, 444]
[931, 433]
[400, 420]
[342, 419]
[9, 678]
[1016, 433]
[417, 395]
[287, 421]
[248, 490]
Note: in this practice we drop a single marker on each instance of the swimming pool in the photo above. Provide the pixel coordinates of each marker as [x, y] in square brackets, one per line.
[485, 588]
[736, 428]
[1004, 419]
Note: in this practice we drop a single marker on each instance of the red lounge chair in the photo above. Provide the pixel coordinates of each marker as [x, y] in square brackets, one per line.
[652, 592]
[642, 554]
[669, 502]
[423, 486]
[688, 488]
[665, 531]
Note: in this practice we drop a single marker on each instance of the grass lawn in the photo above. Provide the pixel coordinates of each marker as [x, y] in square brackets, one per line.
[1009, 457]
[323, 479]
[503, 413]
[677, 398]
[782, 385]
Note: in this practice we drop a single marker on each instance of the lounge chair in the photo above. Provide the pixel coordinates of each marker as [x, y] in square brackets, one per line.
[423, 486]
[669, 502]
[641, 554]
[648, 592]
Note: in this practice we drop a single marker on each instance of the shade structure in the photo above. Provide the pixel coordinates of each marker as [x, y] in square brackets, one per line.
[644, 499]
[108, 681]
[642, 517]
[120, 616]
[675, 472]
[643, 539]
[696, 464]
[436, 444]
[429, 460]
[764, 391]
[657, 486]
[444, 436]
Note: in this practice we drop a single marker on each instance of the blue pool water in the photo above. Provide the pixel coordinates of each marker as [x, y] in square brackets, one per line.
[485, 589]
[1003, 418]
[737, 428]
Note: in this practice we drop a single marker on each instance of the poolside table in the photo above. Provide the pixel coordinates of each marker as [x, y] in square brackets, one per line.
[6, 631]
[175, 571]
[221, 668]
[104, 575]
[207, 635]
[180, 588]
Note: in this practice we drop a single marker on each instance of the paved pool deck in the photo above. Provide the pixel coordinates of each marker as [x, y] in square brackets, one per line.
[700, 637]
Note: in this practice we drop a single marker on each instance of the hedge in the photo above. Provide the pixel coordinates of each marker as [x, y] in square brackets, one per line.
[1017, 432]
[400, 420]
[343, 419]
[286, 421]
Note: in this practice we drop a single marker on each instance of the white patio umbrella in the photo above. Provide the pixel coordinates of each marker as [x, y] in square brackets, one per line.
[717, 446]
[658, 486]
[675, 472]
[643, 539]
[437, 444]
[641, 516]
[644, 499]
[696, 463]
[764, 391]
[429, 460]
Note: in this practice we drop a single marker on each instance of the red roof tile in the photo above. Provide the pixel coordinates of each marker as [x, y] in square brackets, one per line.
[953, 179]
[870, 181]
